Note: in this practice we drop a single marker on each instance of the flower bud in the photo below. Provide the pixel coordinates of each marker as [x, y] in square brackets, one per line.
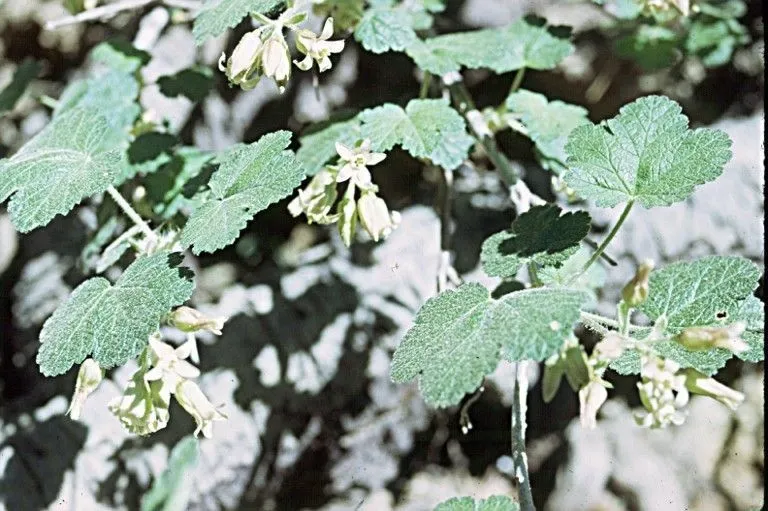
[243, 66]
[88, 378]
[317, 199]
[192, 399]
[188, 319]
[375, 216]
[698, 383]
[276, 60]
[347, 219]
[591, 398]
[707, 337]
[635, 292]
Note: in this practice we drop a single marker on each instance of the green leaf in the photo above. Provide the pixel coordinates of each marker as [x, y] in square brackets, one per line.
[525, 43]
[752, 312]
[427, 128]
[715, 40]
[112, 323]
[542, 235]
[217, 16]
[460, 335]
[77, 155]
[494, 503]
[249, 178]
[562, 275]
[346, 14]
[194, 83]
[114, 93]
[171, 491]
[646, 154]
[385, 29]
[22, 77]
[319, 148]
[710, 291]
[651, 46]
[548, 123]
[120, 55]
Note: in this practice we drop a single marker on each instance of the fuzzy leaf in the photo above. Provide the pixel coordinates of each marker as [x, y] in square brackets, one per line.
[542, 235]
[460, 335]
[494, 503]
[217, 16]
[171, 491]
[249, 178]
[114, 93]
[78, 154]
[319, 148]
[427, 128]
[711, 291]
[385, 29]
[110, 322]
[548, 123]
[525, 43]
[646, 154]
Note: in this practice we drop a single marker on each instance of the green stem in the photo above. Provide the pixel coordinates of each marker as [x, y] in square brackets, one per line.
[464, 103]
[602, 320]
[519, 458]
[518, 80]
[533, 275]
[131, 213]
[608, 238]
[425, 83]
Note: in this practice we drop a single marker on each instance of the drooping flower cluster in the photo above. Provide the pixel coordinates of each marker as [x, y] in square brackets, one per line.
[662, 391]
[163, 372]
[265, 52]
[320, 196]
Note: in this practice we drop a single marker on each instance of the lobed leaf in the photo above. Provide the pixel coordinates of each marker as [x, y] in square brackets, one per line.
[525, 43]
[459, 336]
[646, 154]
[542, 235]
[217, 16]
[78, 154]
[427, 128]
[548, 123]
[112, 323]
[249, 178]
[711, 291]
[385, 28]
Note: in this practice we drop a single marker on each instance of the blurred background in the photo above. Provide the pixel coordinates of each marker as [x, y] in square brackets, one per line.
[302, 366]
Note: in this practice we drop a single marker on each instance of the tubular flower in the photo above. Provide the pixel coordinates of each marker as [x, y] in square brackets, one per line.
[355, 164]
[169, 364]
[707, 337]
[636, 291]
[375, 216]
[698, 383]
[591, 398]
[188, 319]
[192, 399]
[88, 378]
[317, 199]
[317, 48]
[243, 67]
[276, 59]
[143, 407]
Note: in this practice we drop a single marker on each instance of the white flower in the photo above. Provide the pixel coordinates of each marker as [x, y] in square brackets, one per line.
[698, 383]
[356, 161]
[244, 65]
[375, 216]
[317, 48]
[662, 391]
[169, 364]
[88, 378]
[317, 199]
[591, 398]
[276, 59]
[188, 319]
[610, 348]
[143, 407]
[192, 399]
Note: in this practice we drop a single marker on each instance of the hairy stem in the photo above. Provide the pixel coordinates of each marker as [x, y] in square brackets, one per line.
[608, 239]
[588, 317]
[518, 80]
[426, 81]
[519, 458]
[463, 101]
[131, 213]
[445, 272]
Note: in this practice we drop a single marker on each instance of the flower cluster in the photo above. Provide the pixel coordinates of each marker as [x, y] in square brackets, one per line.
[265, 52]
[662, 391]
[163, 372]
[318, 199]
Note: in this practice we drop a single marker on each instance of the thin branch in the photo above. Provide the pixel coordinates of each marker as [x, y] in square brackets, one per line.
[518, 80]
[105, 12]
[519, 457]
[426, 81]
[446, 272]
[131, 213]
[607, 239]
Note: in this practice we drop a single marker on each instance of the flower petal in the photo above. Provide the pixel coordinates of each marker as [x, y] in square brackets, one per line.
[327, 30]
[345, 153]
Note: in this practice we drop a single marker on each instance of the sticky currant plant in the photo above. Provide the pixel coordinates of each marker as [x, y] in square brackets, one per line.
[160, 203]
